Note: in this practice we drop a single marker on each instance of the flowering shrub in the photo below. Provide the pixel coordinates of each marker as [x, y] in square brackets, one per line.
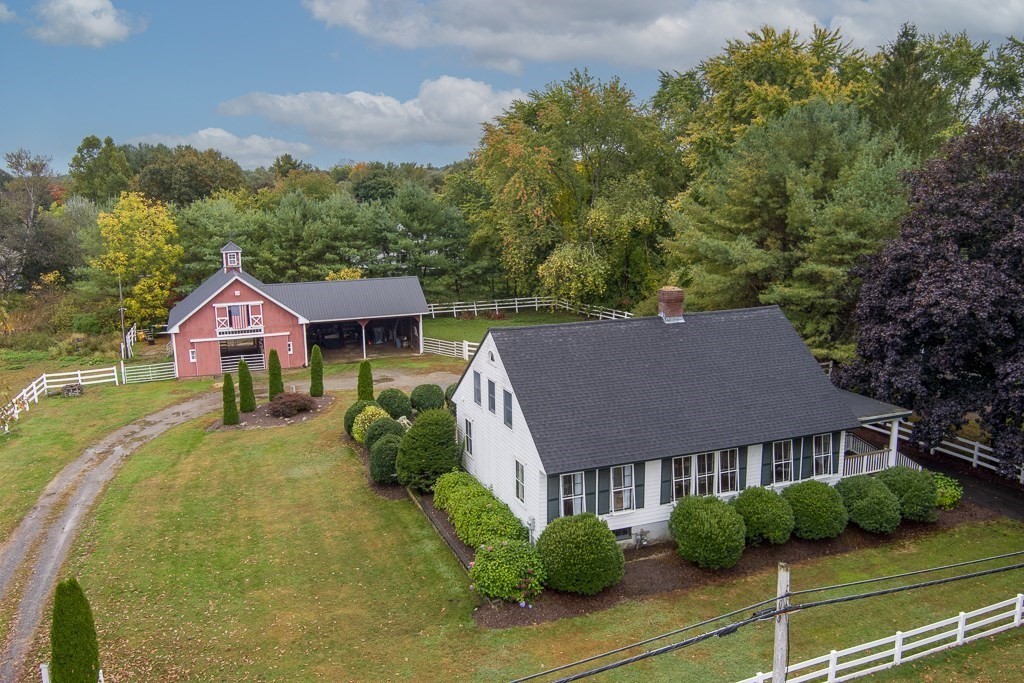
[766, 514]
[508, 570]
[708, 531]
[949, 492]
[448, 485]
[367, 417]
[872, 506]
[818, 510]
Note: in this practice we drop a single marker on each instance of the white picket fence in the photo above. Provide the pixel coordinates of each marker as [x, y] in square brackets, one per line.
[978, 454]
[453, 349]
[132, 374]
[525, 303]
[905, 646]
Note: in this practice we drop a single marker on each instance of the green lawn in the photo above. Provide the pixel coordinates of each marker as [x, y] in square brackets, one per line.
[19, 368]
[455, 329]
[262, 555]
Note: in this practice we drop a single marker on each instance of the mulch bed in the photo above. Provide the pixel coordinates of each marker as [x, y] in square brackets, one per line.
[261, 417]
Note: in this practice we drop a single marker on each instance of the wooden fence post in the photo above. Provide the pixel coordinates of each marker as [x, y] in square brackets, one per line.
[974, 461]
[833, 660]
[781, 658]
[897, 654]
[1020, 610]
[961, 628]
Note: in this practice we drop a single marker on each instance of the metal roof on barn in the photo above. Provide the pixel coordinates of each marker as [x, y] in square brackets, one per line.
[596, 394]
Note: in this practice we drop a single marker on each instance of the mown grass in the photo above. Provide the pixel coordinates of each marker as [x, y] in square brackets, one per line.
[19, 368]
[262, 555]
[474, 330]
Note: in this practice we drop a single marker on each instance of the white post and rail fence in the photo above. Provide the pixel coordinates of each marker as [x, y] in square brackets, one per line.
[518, 304]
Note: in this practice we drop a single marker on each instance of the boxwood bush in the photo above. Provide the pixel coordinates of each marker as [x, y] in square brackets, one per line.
[708, 531]
[447, 485]
[380, 427]
[353, 412]
[508, 570]
[382, 459]
[818, 510]
[427, 397]
[395, 402]
[580, 555]
[916, 490]
[366, 417]
[766, 515]
[428, 450]
[870, 504]
[948, 490]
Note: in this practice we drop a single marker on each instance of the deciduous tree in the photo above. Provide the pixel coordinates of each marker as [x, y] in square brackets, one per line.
[99, 170]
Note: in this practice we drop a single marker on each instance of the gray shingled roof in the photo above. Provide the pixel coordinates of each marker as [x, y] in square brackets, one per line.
[868, 409]
[230, 246]
[382, 297]
[596, 394]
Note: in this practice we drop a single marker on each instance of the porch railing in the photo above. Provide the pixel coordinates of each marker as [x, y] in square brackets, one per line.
[864, 458]
[255, 361]
[239, 331]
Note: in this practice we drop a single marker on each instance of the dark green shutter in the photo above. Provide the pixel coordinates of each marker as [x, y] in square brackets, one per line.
[604, 477]
[639, 474]
[554, 483]
[666, 481]
[807, 468]
[766, 464]
[743, 467]
[837, 448]
[590, 486]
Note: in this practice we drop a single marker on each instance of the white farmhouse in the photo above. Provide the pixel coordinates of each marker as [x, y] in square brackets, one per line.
[622, 418]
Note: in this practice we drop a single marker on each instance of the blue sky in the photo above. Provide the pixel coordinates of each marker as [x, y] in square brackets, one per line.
[394, 80]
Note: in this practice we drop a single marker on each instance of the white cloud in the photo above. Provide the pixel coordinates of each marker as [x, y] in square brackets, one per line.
[649, 33]
[6, 13]
[92, 23]
[447, 111]
[249, 152]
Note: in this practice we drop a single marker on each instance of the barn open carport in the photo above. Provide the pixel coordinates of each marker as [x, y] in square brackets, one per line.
[351, 339]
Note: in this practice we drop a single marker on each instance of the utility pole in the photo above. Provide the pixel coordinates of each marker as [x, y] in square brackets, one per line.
[120, 299]
[781, 659]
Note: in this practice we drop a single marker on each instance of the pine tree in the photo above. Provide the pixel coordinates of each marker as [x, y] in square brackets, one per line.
[365, 381]
[230, 406]
[74, 654]
[276, 383]
[246, 396]
[316, 372]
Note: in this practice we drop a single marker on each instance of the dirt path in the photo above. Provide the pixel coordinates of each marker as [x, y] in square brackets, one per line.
[31, 558]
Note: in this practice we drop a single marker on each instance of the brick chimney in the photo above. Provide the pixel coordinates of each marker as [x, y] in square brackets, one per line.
[670, 304]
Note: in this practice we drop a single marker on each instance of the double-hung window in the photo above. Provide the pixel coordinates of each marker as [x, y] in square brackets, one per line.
[729, 471]
[682, 477]
[705, 474]
[476, 388]
[572, 494]
[506, 399]
[782, 462]
[622, 488]
[490, 396]
[469, 437]
[822, 455]
[520, 481]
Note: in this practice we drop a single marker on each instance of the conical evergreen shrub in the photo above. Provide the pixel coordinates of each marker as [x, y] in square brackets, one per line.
[246, 397]
[230, 407]
[274, 366]
[74, 652]
[365, 381]
[316, 372]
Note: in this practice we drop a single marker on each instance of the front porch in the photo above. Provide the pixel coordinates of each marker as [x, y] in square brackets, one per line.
[867, 451]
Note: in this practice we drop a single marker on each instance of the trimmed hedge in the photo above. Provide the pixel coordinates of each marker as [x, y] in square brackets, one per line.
[353, 412]
[708, 531]
[449, 485]
[766, 515]
[381, 427]
[290, 405]
[508, 570]
[479, 517]
[818, 510]
[949, 491]
[428, 450]
[365, 386]
[580, 555]
[382, 459]
[364, 420]
[427, 397]
[870, 504]
[916, 490]
[395, 402]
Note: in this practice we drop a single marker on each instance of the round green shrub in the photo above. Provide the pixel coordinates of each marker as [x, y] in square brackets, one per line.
[395, 402]
[818, 510]
[449, 484]
[428, 450]
[449, 393]
[708, 531]
[482, 518]
[380, 427]
[948, 492]
[382, 459]
[427, 397]
[766, 515]
[353, 412]
[916, 490]
[366, 417]
[870, 504]
[508, 570]
[580, 555]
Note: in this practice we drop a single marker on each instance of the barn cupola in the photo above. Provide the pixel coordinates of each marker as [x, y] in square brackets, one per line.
[670, 304]
[231, 254]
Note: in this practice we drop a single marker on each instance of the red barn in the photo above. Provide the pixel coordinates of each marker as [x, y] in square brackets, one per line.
[233, 316]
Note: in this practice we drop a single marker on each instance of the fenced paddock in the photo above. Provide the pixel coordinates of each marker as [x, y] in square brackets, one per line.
[132, 374]
[905, 646]
[453, 349]
[535, 303]
[52, 381]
